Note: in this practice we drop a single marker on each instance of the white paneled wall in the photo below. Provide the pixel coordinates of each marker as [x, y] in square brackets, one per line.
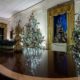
[40, 12]
[77, 8]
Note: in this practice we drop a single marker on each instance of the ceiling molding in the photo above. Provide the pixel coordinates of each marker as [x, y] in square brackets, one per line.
[11, 7]
[28, 8]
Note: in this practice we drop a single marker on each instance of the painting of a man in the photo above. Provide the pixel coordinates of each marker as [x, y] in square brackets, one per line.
[60, 28]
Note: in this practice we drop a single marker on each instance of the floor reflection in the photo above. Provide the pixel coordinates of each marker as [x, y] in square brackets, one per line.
[33, 59]
[37, 62]
[32, 62]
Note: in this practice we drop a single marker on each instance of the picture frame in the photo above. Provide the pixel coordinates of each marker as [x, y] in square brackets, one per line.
[66, 10]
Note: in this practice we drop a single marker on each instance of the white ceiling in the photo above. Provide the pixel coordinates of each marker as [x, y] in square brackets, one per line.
[10, 7]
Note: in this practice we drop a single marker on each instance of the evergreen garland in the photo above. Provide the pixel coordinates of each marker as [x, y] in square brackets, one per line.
[76, 46]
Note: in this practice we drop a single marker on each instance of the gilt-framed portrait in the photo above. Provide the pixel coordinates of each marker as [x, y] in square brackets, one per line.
[60, 28]
[60, 24]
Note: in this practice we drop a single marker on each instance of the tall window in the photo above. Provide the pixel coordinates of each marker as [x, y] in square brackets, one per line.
[1, 33]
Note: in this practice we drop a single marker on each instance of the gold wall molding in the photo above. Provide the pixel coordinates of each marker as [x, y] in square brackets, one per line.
[3, 25]
[68, 8]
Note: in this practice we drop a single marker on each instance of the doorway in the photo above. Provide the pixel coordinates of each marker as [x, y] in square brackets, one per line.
[1, 33]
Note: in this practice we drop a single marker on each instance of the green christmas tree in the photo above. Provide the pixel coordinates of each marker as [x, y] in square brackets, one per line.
[32, 41]
[32, 37]
[76, 46]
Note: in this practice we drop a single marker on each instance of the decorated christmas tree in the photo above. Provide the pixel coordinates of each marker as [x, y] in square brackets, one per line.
[76, 46]
[32, 36]
[18, 31]
[32, 41]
